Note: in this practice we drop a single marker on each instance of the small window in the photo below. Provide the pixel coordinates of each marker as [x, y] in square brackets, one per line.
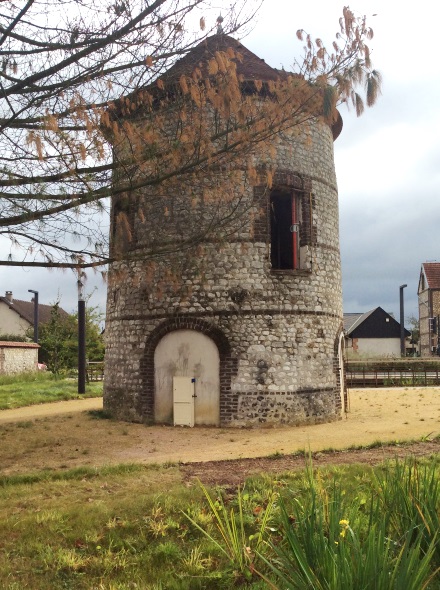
[292, 232]
[285, 227]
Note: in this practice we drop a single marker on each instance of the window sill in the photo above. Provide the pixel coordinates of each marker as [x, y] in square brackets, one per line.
[290, 271]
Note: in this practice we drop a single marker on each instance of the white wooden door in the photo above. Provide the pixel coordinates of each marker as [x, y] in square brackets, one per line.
[187, 353]
[183, 401]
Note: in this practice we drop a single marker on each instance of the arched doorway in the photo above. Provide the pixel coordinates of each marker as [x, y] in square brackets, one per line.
[187, 353]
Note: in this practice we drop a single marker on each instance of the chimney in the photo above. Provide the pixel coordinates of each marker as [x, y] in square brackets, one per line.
[8, 296]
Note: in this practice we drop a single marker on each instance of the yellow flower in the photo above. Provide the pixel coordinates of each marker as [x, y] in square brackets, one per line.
[344, 524]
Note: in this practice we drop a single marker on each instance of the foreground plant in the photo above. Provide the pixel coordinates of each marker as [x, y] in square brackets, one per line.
[230, 535]
[409, 493]
[329, 543]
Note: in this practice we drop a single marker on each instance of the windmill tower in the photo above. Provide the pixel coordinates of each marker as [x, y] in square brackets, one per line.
[243, 328]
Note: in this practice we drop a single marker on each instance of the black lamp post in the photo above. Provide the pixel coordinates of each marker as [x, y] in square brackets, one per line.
[81, 339]
[402, 322]
[35, 314]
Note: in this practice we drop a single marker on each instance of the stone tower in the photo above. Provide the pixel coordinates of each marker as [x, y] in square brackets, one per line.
[250, 318]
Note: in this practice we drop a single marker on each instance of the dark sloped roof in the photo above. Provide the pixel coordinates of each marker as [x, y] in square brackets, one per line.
[352, 320]
[376, 323]
[249, 66]
[25, 309]
[349, 320]
[432, 274]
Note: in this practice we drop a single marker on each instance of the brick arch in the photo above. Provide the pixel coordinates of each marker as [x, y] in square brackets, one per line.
[295, 180]
[228, 364]
[340, 379]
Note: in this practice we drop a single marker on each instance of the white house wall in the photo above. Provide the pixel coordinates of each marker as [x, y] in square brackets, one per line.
[11, 322]
[374, 347]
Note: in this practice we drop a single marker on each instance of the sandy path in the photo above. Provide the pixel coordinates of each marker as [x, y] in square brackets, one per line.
[64, 435]
[53, 409]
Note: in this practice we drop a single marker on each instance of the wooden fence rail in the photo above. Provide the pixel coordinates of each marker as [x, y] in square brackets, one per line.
[95, 371]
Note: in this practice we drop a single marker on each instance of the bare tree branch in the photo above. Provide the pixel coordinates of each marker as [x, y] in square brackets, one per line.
[89, 113]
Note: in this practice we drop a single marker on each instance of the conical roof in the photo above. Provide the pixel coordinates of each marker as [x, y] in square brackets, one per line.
[249, 66]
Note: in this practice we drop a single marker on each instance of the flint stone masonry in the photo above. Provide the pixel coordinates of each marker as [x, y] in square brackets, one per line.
[277, 331]
[18, 357]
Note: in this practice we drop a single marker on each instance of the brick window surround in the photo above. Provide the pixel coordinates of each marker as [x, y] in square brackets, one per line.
[285, 181]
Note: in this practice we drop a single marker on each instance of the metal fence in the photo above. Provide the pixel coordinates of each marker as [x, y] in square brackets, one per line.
[396, 373]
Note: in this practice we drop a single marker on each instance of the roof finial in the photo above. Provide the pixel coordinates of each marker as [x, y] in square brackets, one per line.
[219, 25]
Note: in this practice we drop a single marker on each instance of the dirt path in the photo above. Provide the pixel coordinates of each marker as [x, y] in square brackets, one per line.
[66, 434]
[53, 409]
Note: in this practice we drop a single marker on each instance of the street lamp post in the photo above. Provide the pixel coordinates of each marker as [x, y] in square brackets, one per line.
[402, 322]
[35, 314]
[81, 339]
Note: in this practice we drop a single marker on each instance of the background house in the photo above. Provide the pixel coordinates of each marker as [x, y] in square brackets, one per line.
[429, 308]
[17, 316]
[374, 333]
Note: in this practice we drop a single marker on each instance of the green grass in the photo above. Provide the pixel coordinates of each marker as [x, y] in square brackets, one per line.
[133, 526]
[37, 388]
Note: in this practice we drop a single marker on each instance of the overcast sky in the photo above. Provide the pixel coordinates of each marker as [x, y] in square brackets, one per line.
[387, 162]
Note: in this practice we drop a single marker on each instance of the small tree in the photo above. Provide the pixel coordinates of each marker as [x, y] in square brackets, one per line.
[414, 325]
[59, 340]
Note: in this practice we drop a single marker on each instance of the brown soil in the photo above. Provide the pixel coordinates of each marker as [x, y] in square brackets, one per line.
[68, 434]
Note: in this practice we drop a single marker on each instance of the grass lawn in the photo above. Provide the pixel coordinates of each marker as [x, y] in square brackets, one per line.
[38, 388]
[141, 527]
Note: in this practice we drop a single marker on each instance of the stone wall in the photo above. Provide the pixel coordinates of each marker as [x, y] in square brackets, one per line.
[429, 307]
[277, 332]
[424, 314]
[18, 357]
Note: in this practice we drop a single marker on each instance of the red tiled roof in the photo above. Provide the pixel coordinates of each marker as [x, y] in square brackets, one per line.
[7, 343]
[25, 309]
[432, 274]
